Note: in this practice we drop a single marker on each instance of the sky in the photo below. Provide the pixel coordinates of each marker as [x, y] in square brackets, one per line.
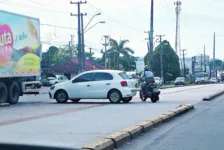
[128, 19]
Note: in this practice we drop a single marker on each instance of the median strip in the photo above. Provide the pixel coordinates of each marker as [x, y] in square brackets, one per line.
[118, 139]
[211, 97]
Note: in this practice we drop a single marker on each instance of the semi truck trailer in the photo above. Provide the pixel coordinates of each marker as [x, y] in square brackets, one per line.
[20, 56]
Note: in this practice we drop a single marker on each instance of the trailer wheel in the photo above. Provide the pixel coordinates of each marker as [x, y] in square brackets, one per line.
[13, 92]
[3, 93]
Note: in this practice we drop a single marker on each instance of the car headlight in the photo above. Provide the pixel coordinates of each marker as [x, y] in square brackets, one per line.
[52, 87]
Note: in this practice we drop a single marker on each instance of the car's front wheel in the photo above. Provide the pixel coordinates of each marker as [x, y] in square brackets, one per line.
[114, 96]
[61, 96]
[127, 99]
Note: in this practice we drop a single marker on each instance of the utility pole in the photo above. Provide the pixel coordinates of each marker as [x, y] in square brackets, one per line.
[214, 56]
[148, 46]
[151, 33]
[90, 50]
[205, 63]
[83, 42]
[193, 65]
[161, 56]
[177, 37]
[70, 46]
[201, 63]
[184, 61]
[79, 35]
[106, 37]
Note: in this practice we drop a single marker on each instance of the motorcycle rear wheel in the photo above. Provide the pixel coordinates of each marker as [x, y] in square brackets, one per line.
[154, 99]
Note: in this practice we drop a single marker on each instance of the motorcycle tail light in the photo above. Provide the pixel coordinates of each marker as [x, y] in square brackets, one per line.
[154, 84]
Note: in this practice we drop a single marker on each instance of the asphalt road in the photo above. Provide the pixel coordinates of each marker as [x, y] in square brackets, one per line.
[200, 129]
[39, 120]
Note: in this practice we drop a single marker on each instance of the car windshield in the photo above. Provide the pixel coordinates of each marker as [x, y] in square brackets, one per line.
[124, 75]
[180, 79]
[75, 71]
[51, 78]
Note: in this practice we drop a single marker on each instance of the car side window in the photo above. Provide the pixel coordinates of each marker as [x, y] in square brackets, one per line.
[103, 77]
[85, 78]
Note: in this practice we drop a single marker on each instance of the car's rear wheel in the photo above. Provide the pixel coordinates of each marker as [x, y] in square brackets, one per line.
[75, 100]
[115, 96]
[61, 96]
[127, 99]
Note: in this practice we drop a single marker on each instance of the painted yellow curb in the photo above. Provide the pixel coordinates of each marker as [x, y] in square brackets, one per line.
[156, 121]
[147, 125]
[105, 144]
[134, 131]
[119, 138]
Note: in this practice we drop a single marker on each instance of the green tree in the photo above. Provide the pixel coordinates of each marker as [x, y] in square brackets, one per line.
[118, 49]
[64, 54]
[89, 55]
[218, 64]
[47, 58]
[171, 66]
[128, 63]
[56, 55]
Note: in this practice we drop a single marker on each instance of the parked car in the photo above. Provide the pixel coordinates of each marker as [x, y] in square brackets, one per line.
[198, 81]
[97, 84]
[51, 80]
[213, 80]
[158, 81]
[180, 81]
[37, 85]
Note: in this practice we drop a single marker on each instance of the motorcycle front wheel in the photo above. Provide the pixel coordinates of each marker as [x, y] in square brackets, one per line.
[142, 97]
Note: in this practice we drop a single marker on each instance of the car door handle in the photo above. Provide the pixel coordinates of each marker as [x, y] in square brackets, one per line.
[108, 84]
[88, 85]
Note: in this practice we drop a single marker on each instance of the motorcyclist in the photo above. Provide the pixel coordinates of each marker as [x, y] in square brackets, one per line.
[148, 77]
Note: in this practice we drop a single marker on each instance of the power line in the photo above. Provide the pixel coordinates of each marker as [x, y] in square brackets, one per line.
[113, 19]
[9, 2]
[51, 25]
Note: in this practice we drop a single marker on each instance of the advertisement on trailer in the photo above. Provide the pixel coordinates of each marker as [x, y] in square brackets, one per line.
[20, 48]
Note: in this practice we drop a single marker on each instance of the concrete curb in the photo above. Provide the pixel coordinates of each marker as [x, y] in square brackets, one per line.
[118, 139]
[211, 97]
[177, 86]
[4, 104]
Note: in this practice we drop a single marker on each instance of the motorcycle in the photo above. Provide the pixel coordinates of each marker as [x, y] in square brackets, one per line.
[152, 93]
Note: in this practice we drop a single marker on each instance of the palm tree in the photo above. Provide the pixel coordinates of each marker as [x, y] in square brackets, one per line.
[118, 49]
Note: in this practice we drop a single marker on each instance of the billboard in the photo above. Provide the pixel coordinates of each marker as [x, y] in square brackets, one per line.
[20, 48]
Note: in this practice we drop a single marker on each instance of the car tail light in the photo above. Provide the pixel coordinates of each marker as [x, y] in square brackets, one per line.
[124, 83]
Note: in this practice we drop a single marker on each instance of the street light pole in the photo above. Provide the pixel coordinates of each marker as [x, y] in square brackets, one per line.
[100, 22]
[91, 20]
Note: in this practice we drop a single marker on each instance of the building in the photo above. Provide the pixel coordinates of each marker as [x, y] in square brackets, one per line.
[70, 68]
[201, 63]
[188, 64]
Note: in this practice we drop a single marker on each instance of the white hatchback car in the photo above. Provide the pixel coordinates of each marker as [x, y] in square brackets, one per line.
[97, 84]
